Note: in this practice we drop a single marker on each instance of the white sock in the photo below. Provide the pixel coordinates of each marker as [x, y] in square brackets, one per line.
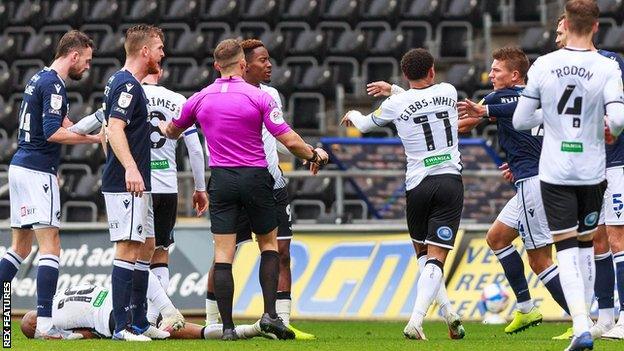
[606, 316]
[573, 288]
[282, 307]
[212, 312]
[621, 318]
[525, 306]
[247, 331]
[44, 324]
[213, 331]
[587, 265]
[158, 297]
[442, 297]
[427, 286]
[162, 273]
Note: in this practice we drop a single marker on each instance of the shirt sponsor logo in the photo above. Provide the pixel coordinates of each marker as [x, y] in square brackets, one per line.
[54, 112]
[571, 146]
[436, 160]
[124, 100]
[276, 115]
[99, 300]
[56, 101]
[160, 164]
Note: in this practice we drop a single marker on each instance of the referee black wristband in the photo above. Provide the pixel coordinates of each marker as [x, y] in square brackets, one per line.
[314, 157]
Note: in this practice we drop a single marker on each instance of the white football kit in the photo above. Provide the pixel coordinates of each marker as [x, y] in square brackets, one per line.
[83, 307]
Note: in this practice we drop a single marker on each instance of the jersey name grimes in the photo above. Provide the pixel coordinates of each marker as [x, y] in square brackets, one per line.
[573, 71]
[435, 101]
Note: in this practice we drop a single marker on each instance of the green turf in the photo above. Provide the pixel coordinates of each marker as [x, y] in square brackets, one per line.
[339, 336]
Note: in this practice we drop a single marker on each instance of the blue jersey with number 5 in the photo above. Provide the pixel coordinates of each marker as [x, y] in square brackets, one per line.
[41, 114]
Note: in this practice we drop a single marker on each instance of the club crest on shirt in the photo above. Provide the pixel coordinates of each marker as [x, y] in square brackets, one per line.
[124, 100]
[277, 116]
[56, 101]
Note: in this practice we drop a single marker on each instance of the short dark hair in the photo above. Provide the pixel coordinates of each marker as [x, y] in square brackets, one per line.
[515, 59]
[137, 36]
[72, 40]
[249, 45]
[416, 63]
[581, 15]
[226, 51]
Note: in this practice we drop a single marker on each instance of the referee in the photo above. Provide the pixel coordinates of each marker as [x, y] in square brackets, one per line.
[231, 114]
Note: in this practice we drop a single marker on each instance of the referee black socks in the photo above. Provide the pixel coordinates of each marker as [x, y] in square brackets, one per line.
[269, 275]
[224, 292]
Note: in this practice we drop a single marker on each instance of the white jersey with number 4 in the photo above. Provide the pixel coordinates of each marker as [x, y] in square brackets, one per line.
[164, 105]
[83, 306]
[573, 87]
[426, 121]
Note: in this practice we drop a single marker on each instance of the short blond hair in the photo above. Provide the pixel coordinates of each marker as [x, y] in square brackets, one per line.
[139, 35]
[227, 51]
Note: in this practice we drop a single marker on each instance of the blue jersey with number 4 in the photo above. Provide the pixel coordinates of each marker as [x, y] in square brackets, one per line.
[615, 152]
[41, 114]
[523, 147]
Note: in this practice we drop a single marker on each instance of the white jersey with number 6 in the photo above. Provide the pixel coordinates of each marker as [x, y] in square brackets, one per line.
[83, 306]
[573, 87]
[164, 105]
[426, 121]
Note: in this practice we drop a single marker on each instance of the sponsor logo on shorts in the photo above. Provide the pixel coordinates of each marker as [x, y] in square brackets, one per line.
[139, 229]
[591, 219]
[571, 146]
[126, 203]
[46, 187]
[27, 211]
[99, 300]
[58, 215]
[436, 160]
[113, 225]
[618, 205]
[445, 233]
[531, 212]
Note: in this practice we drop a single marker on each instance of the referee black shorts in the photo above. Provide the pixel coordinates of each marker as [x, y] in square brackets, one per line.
[284, 230]
[572, 207]
[236, 190]
[434, 209]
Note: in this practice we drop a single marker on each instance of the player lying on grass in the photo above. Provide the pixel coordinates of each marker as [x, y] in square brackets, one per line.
[85, 312]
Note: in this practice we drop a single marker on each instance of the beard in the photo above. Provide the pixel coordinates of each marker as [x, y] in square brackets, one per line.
[75, 73]
[153, 67]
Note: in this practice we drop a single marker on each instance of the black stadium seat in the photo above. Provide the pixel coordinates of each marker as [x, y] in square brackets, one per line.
[261, 10]
[455, 40]
[424, 10]
[300, 39]
[381, 40]
[537, 40]
[213, 33]
[417, 34]
[341, 10]
[611, 8]
[4, 15]
[463, 76]
[386, 10]
[527, 11]
[26, 12]
[65, 12]
[301, 10]
[140, 11]
[102, 11]
[22, 71]
[614, 39]
[307, 111]
[186, 11]
[463, 10]
[220, 10]
[5, 79]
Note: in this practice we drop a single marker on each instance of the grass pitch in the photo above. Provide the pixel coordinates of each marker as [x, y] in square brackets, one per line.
[339, 336]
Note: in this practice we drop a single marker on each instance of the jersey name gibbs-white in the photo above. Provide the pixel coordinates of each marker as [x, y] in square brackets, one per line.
[163, 105]
[570, 84]
[426, 121]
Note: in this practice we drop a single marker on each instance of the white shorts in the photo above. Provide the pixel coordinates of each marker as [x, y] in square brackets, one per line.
[35, 199]
[525, 213]
[613, 204]
[127, 216]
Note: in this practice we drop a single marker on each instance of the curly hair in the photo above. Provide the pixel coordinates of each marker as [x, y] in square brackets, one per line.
[416, 63]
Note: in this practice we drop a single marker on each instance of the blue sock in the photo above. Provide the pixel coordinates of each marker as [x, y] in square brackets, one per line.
[9, 265]
[47, 276]
[550, 279]
[122, 289]
[603, 287]
[618, 258]
[138, 301]
[512, 264]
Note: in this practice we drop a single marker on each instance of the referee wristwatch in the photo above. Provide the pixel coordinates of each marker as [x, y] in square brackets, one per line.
[314, 158]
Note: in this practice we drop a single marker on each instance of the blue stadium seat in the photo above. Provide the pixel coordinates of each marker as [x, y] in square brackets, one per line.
[301, 10]
[341, 10]
[65, 12]
[455, 41]
[221, 10]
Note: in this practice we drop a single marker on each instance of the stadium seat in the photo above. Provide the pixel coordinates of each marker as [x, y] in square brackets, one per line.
[282, 79]
[22, 71]
[463, 76]
[79, 211]
[10, 117]
[301, 40]
[140, 11]
[455, 41]
[424, 10]
[308, 74]
[8, 45]
[380, 68]
[307, 210]
[220, 10]
[94, 101]
[5, 79]
[273, 40]
[16, 40]
[186, 11]
[537, 40]
[605, 24]
[102, 11]
[77, 105]
[26, 12]
[614, 39]
[108, 43]
[101, 70]
[353, 210]
[261, 10]
[184, 74]
[213, 33]
[346, 71]
[380, 39]
[4, 15]
[307, 111]
[417, 34]
[527, 11]
[55, 33]
[340, 10]
[65, 12]
[611, 8]
[301, 10]
[5, 209]
[7, 144]
[341, 40]
[181, 40]
[386, 10]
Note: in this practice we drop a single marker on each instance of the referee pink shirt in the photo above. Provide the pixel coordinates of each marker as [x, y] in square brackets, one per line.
[231, 113]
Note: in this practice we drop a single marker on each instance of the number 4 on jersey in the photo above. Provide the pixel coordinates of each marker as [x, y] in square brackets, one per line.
[575, 109]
